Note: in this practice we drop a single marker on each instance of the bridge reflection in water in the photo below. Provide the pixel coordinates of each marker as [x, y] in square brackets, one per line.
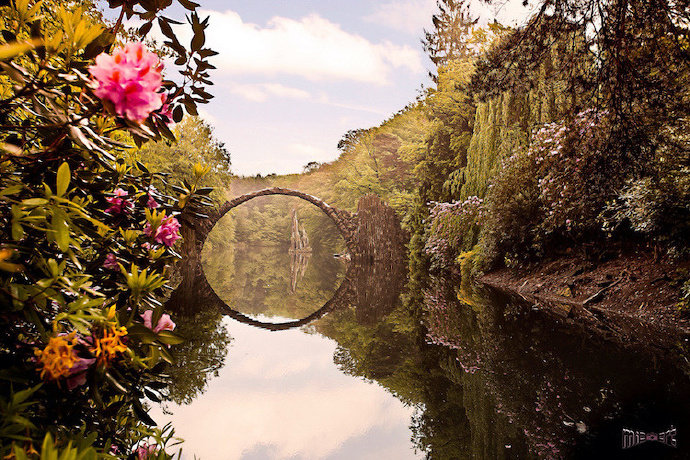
[372, 287]
[372, 284]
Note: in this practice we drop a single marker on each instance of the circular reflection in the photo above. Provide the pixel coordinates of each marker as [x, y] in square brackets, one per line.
[341, 297]
[274, 257]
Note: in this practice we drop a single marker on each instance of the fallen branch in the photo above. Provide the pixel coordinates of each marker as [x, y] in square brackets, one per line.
[596, 297]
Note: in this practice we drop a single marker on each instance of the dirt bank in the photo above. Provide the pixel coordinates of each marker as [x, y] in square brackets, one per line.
[632, 298]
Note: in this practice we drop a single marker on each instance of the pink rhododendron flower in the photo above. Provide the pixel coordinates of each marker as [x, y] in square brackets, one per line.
[167, 232]
[130, 79]
[110, 262]
[78, 372]
[118, 203]
[152, 203]
[165, 323]
[145, 451]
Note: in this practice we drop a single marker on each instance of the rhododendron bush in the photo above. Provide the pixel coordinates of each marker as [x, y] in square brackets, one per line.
[453, 228]
[574, 170]
[86, 239]
[556, 187]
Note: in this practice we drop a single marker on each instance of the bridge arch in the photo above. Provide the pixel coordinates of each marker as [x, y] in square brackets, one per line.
[343, 220]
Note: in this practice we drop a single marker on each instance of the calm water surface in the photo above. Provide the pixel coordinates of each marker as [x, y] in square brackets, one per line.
[485, 376]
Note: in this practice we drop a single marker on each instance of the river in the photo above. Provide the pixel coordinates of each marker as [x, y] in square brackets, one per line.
[482, 376]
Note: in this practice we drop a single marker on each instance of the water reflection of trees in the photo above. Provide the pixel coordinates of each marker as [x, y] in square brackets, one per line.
[492, 378]
[199, 321]
[566, 393]
[258, 277]
[488, 376]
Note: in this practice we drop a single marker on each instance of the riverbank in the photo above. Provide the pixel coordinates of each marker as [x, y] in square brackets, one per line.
[632, 298]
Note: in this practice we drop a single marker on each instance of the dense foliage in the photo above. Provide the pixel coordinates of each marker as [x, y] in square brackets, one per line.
[579, 133]
[87, 233]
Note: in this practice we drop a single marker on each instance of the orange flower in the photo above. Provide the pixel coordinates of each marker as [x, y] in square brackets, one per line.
[107, 347]
[58, 356]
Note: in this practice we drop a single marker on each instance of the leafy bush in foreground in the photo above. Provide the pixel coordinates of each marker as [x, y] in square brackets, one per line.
[86, 239]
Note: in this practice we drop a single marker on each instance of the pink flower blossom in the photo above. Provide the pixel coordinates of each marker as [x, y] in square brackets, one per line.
[165, 323]
[167, 232]
[145, 451]
[110, 262]
[78, 372]
[118, 203]
[130, 79]
[152, 203]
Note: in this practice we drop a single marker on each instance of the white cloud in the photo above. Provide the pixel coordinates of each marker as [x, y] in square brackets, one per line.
[323, 98]
[311, 47]
[307, 152]
[409, 16]
[260, 92]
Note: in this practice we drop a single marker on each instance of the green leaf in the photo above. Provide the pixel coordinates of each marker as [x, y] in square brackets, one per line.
[151, 395]
[47, 446]
[204, 190]
[63, 178]
[142, 415]
[198, 41]
[141, 332]
[191, 6]
[11, 190]
[177, 114]
[144, 29]
[121, 388]
[35, 202]
[165, 28]
[23, 395]
[19, 453]
[17, 231]
[15, 49]
[169, 338]
[61, 229]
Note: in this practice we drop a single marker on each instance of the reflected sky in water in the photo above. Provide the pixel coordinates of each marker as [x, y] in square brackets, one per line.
[280, 396]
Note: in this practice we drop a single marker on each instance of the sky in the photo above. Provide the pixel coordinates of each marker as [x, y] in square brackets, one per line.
[294, 75]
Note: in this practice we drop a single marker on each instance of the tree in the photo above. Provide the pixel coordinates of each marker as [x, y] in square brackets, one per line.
[448, 40]
[195, 144]
[311, 166]
[628, 57]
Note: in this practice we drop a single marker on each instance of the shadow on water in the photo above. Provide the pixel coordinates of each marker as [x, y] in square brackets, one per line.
[489, 376]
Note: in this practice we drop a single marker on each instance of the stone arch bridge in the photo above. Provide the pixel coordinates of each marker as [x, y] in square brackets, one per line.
[370, 233]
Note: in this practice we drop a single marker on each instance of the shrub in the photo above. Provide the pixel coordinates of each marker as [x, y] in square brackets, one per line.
[555, 188]
[658, 204]
[512, 211]
[452, 228]
[86, 241]
[573, 167]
